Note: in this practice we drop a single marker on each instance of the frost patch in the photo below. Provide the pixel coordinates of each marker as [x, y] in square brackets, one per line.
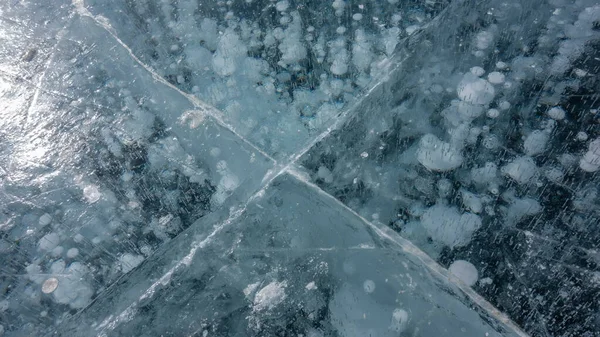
[270, 296]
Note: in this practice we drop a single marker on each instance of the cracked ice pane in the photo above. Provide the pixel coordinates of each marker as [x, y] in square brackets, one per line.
[145, 148]
[273, 267]
[481, 147]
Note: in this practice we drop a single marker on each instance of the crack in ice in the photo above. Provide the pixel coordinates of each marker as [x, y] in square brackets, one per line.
[413, 250]
[196, 102]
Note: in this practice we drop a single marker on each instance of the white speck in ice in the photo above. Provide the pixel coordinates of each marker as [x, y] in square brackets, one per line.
[591, 159]
[48, 242]
[369, 286]
[45, 220]
[325, 174]
[364, 155]
[270, 296]
[501, 65]
[478, 53]
[520, 208]
[72, 252]
[340, 30]
[477, 71]
[580, 72]
[311, 286]
[34, 273]
[493, 113]
[282, 6]
[127, 176]
[556, 113]
[357, 16]
[57, 251]
[521, 169]
[437, 155]
[475, 90]
[496, 77]
[399, 320]
[338, 4]
[504, 105]
[582, 136]
[471, 201]
[465, 271]
[490, 142]
[485, 281]
[535, 143]
[554, 174]
[78, 238]
[446, 225]
[91, 193]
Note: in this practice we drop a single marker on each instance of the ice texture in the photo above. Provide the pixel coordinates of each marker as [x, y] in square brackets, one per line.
[306, 168]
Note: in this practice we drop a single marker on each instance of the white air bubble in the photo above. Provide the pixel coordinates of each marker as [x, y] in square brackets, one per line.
[582, 136]
[493, 113]
[282, 6]
[45, 220]
[369, 286]
[72, 252]
[504, 105]
[465, 271]
[496, 77]
[477, 71]
[556, 113]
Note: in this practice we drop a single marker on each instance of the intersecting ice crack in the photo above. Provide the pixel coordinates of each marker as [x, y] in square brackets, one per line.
[112, 322]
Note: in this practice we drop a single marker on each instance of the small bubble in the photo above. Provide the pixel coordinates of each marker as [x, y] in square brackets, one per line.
[50, 285]
[369, 286]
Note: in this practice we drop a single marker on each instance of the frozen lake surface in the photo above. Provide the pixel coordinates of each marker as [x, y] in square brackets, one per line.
[299, 168]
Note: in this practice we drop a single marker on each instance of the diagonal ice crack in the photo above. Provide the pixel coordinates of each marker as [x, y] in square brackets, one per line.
[413, 250]
[203, 107]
